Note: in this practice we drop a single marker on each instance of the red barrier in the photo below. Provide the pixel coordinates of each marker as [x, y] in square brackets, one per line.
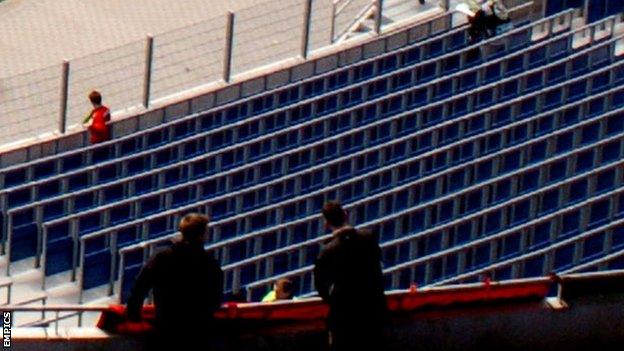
[114, 319]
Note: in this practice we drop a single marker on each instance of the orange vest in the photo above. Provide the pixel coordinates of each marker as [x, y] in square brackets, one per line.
[99, 130]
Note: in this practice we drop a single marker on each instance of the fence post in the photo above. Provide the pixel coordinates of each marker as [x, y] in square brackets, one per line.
[446, 4]
[332, 30]
[378, 15]
[229, 39]
[305, 39]
[64, 97]
[147, 82]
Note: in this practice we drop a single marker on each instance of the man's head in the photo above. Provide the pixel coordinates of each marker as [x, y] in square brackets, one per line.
[335, 216]
[96, 98]
[194, 228]
[283, 289]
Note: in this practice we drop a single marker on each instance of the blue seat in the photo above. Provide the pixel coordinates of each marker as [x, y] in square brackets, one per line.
[18, 198]
[511, 245]
[534, 267]
[24, 242]
[564, 257]
[59, 255]
[610, 151]
[599, 214]
[96, 269]
[54, 210]
[605, 181]
[617, 238]
[129, 273]
[594, 246]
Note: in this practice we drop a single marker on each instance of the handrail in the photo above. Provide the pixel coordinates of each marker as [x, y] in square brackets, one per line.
[602, 260]
[8, 284]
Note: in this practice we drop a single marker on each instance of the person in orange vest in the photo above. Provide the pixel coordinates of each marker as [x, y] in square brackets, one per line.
[99, 130]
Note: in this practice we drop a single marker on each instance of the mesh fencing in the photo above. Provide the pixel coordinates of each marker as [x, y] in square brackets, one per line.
[182, 59]
[29, 104]
[117, 74]
[267, 33]
[188, 57]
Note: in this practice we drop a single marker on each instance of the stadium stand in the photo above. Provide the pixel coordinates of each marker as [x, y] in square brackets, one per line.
[500, 158]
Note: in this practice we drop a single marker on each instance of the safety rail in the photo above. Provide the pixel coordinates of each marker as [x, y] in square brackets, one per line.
[170, 112]
[347, 14]
[8, 284]
[135, 76]
[606, 261]
[425, 30]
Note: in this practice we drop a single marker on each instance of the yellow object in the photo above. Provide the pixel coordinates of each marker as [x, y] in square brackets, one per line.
[269, 297]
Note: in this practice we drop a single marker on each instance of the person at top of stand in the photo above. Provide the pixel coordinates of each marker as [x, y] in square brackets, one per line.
[282, 290]
[496, 15]
[99, 130]
[485, 17]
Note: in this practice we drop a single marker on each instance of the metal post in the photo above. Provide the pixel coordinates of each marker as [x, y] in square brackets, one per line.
[378, 15]
[64, 96]
[229, 38]
[305, 36]
[147, 82]
[332, 29]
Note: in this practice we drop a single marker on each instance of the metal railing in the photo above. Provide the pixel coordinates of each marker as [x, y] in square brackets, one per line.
[134, 76]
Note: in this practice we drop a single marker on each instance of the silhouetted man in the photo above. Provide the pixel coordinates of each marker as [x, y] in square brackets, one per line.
[187, 284]
[348, 277]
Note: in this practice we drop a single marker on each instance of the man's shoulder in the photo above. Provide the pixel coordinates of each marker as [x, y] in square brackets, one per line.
[368, 235]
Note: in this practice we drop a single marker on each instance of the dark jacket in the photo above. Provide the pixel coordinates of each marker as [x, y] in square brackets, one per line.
[187, 285]
[348, 276]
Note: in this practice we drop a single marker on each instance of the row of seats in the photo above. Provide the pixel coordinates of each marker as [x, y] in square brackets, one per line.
[241, 112]
[526, 250]
[185, 195]
[412, 141]
[586, 133]
[608, 153]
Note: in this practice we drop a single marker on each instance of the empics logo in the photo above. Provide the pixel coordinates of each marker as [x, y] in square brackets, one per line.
[6, 330]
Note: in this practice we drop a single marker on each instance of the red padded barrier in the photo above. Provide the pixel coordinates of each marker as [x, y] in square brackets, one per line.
[114, 319]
